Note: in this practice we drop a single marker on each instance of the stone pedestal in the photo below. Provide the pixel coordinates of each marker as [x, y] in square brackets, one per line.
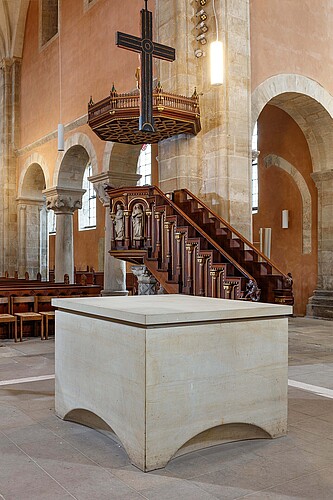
[171, 374]
[64, 202]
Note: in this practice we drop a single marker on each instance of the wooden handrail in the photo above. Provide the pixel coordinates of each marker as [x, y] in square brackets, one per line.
[204, 234]
[217, 266]
[132, 100]
[151, 190]
[234, 231]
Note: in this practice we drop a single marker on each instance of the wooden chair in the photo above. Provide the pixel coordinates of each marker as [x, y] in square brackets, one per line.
[44, 307]
[7, 318]
[26, 307]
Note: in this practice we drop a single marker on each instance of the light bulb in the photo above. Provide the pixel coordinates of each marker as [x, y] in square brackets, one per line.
[216, 63]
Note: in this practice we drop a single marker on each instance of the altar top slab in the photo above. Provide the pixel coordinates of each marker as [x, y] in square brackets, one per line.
[155, 310]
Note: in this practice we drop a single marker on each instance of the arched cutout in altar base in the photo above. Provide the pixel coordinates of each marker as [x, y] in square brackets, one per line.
[214, 436]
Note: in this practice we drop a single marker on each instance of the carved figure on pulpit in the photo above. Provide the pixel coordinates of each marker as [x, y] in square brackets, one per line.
[137, 220]
[119, 223]
[252, 291]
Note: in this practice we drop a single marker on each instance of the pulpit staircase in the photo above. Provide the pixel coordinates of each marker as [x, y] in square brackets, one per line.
[189, 249]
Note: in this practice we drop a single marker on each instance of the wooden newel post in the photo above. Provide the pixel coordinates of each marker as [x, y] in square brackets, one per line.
[201, 261]
[178, 237]
[189, 249]
[148, 227]
[113, 241]
[127, 229]
[214, 273]
[168, 227]
[158, 236]
[227, 287]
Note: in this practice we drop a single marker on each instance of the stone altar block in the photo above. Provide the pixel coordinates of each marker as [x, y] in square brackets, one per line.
[173, 373]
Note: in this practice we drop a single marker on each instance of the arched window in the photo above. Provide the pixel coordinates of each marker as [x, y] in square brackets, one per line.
[49, 19]
[51, 221]
[87, 214]
[255, 182]
[144, 165]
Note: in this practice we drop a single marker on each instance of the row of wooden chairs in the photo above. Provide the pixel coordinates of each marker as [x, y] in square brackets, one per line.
[16, 276]
[35, 309]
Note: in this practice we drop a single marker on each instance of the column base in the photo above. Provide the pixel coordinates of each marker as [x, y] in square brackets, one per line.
[320, 305]
[117, 293]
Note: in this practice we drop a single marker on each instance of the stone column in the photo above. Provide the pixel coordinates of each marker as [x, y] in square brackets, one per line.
[22, 234]
[321, 304]
[114, 269]
[9, 129]
[216, 164]
[32, 249]
[44, 243]
[64, 202]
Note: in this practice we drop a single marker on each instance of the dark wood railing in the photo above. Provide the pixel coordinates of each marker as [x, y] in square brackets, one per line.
[274, 284]
[131, 100]
[189, 249]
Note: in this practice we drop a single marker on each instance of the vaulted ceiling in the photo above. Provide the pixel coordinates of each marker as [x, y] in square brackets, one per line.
[12, 24]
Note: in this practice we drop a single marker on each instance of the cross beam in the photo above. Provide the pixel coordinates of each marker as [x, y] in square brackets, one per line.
[148, 49]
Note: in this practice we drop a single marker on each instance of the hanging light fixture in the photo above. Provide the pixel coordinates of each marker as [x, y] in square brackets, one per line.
[61, 140]
[216, 56]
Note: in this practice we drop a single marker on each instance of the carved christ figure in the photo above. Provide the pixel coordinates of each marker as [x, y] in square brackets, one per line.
[137, 220]
[119, 223]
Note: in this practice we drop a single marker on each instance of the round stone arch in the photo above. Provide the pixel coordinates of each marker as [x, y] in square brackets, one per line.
[309, 104]
[121, 158]
[31, 176]
[273, 160]
[71, 163]
[32, 218]
[311, 107]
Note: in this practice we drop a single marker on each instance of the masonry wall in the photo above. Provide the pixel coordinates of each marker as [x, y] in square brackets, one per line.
[90, 63]
[292, 37]
[280, 135]
[57, 81]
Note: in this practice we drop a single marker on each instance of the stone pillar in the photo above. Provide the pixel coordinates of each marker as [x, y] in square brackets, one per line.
[32, 249]
[44, 243]
[321, 304]
[114, 269]
[215, 165]
[146, 281]
[64, 202]
[9, 129]
[22, 234]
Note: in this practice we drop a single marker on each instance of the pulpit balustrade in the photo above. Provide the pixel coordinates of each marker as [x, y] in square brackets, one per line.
[189, 249]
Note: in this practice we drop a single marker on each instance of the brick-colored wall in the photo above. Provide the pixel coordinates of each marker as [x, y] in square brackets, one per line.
[279, 134]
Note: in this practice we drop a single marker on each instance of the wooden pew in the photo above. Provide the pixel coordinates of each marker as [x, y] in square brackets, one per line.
[44, 289]
[6, 318]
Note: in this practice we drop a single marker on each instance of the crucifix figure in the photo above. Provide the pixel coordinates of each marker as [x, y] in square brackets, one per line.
[148, 49]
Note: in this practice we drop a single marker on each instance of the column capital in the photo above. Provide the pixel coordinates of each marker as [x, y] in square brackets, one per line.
[63, 200]
[322, 176]
[113, 179]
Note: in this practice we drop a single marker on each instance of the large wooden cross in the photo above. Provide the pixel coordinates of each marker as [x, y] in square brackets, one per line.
[148, 50]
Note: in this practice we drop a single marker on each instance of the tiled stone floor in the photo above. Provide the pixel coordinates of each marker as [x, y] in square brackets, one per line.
[42, 457]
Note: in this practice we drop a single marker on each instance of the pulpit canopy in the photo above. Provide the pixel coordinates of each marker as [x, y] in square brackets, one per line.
[147, 115]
